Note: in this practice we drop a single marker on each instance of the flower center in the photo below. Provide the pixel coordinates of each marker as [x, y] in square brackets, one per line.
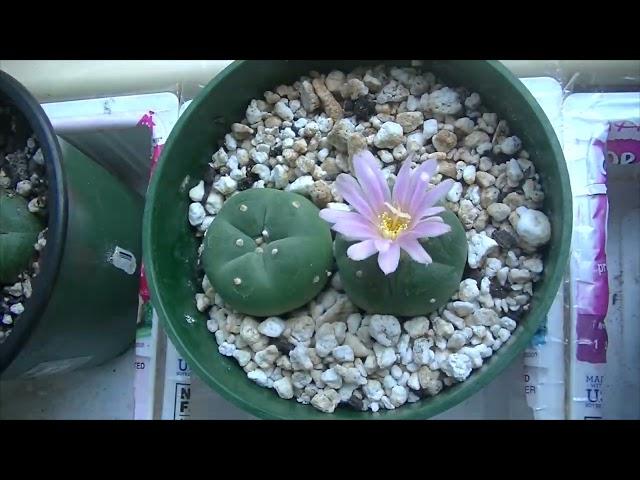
[393, 223]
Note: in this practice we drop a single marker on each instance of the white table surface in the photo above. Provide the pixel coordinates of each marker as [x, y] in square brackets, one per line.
[100, 393]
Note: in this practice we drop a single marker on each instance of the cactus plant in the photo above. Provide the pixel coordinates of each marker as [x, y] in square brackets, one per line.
[19, 230]
[414, 288]
[267, 252]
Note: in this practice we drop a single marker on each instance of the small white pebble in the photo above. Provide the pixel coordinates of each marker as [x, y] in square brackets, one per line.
[225, 185]
[23, 188]
[504, 334]
[343, 353]
[206, 223]
[469, 174]
[455, 193]
[196, 194]
[227, 349]
[16, 308]
[398, 395]
[38, 157]
[202, 302]
[196, 214]
[284, 388]
[212, 325]
[413, 382]
[258, 376]
[272, 327]
[508, 323]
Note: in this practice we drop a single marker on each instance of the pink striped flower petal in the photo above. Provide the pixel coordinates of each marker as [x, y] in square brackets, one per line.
[437, 193]
[425, 170]
[419, 185]
[351, 191]
[401, 189]
[371, 180]
[428, 214]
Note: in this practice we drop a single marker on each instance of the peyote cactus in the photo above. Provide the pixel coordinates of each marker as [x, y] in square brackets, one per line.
[19, 230]
[414, 288]
[267, 252]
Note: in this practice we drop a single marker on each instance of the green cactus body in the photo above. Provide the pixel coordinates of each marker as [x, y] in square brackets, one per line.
[19, 230]
[413, 289]
[284, 269]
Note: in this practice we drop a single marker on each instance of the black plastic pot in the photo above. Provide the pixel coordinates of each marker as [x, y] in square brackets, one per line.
[83, 308]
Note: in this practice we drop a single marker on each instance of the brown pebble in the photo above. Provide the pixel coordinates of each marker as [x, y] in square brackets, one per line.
[504, 239]
[329, 103]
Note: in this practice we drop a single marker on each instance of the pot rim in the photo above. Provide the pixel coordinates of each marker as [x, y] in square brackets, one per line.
[451, 396]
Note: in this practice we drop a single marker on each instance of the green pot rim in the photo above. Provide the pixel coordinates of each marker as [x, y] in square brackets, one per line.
[423, 409]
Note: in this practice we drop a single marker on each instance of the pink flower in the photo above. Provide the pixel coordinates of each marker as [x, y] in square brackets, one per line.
[386, 222]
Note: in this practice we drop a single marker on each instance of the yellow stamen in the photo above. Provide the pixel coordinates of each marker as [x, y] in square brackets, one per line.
[397, 212]
[394, 223]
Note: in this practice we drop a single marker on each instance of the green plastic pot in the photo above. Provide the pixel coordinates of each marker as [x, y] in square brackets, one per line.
[83, 308]
[170, 247]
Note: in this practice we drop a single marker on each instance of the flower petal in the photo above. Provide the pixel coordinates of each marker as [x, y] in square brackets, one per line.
[403, 182]
[362, 250]
[415, 250]
[428, 228]
[333, 215]
[371, 180]
[388, 261]
[430, 198]
[349, 188]
[432, 211]
[431, 219]
[438, 192]
[424, 172]
[356, 230]
[430, 167]
[415, 199]
[383, 244]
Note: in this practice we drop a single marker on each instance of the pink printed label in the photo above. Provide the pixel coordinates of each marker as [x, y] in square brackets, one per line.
[592, 338]
[147, 121]
[592, 288]
[621, 147]
[623, 142]
[144, 287]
